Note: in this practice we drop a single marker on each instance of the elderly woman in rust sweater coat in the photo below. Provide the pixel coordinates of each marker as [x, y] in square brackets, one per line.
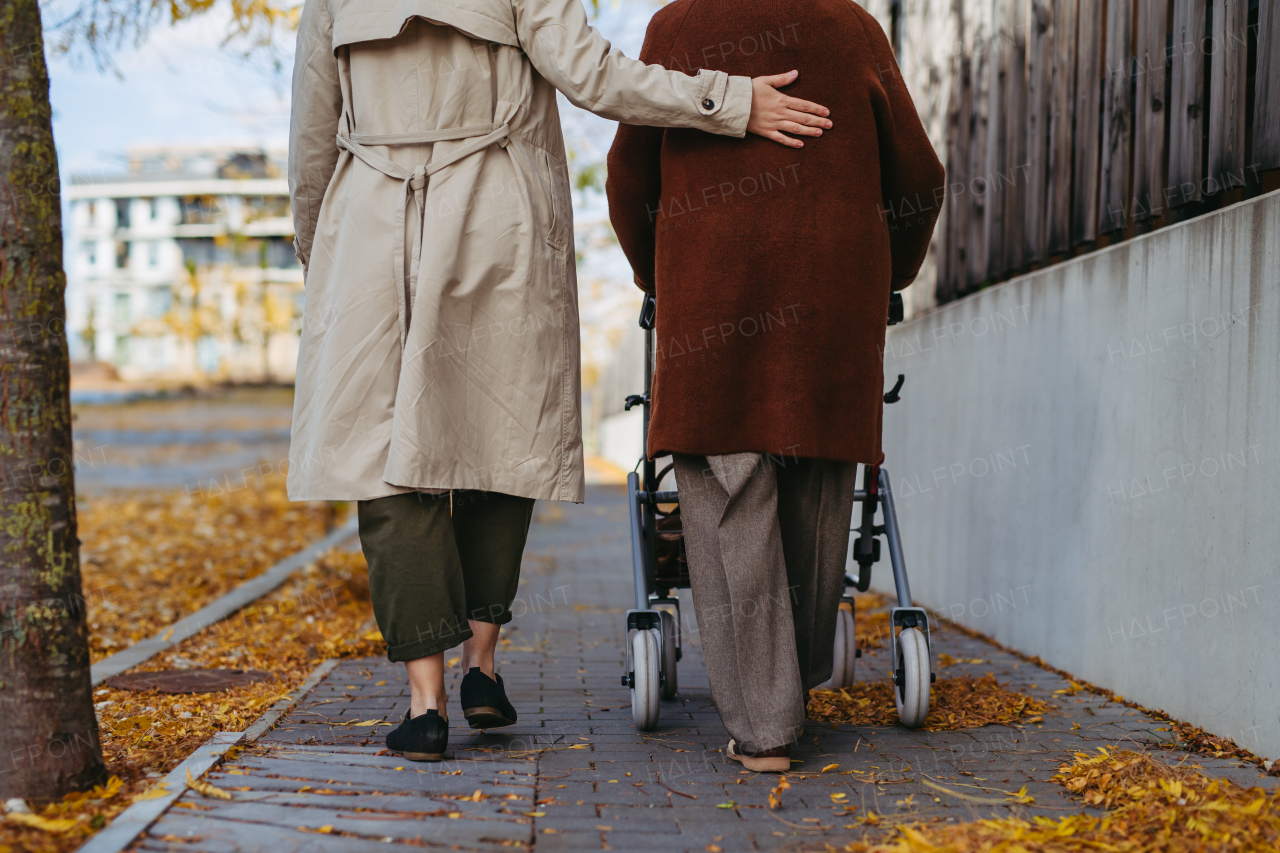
[772, 268]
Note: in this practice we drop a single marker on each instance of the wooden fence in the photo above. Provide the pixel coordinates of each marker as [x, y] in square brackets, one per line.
[1074, 123]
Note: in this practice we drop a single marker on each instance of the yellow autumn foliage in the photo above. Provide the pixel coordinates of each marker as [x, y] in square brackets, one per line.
[1152, 807]
[965, 702]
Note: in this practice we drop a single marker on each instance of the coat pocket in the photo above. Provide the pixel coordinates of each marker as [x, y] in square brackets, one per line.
[561, 217]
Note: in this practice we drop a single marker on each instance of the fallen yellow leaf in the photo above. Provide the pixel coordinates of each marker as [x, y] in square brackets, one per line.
[56, 826]
[206, 789]
[155, 793]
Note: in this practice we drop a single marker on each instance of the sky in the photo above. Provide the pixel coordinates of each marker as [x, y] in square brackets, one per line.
[184, 86]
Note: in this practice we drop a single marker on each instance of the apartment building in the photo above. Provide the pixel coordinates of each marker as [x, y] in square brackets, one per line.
[182, 266]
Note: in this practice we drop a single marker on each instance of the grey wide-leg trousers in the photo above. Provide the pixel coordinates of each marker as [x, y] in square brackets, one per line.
[767, 540]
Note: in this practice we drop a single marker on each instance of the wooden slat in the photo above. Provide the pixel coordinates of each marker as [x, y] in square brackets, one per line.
[1117, 118]
[1084, 180]
[1227, 77]
[997, 60]
[1039, 85]
[1015, 130]
[979, 190]
[1266, 112]
[958, 111]
[1149, 111]
[1186, 102]
[1062, 108]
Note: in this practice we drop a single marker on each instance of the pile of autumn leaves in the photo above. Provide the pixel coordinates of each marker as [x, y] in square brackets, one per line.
[965, 702]
[1150, 806]
[150, 558]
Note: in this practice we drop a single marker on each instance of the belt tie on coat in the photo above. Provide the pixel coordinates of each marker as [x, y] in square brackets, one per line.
[415, 184]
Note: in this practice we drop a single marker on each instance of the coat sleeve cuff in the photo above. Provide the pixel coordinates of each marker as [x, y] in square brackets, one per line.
[301, 252]
[304, 227]
[725, 100]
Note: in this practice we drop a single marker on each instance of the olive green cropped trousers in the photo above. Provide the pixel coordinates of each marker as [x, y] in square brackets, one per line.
[437, 561]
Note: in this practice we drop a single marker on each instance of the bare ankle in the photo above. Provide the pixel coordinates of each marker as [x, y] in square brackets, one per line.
[417, 709]
[426, 686]
[486, 666]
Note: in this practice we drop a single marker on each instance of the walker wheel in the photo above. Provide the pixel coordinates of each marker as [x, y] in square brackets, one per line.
[911, 678]
[645, 679]
[842, 662]
[669, 648]
[850, 645]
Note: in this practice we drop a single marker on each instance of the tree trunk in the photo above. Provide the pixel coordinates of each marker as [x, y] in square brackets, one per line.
[48, 732]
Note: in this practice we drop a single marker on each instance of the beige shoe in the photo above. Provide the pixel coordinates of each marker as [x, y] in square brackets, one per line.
[776, 760]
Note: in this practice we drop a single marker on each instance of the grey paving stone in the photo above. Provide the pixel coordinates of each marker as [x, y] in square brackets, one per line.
[187, 832]
[653, 822]
[471, 827]
[564, 840]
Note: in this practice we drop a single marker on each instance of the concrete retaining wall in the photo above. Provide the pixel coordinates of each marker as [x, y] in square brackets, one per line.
[1087, 467]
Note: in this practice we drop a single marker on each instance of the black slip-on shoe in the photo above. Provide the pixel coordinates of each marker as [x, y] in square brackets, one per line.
[423, 738]
[484, 701]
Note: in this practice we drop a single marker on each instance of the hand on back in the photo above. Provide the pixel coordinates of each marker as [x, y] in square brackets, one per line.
[772, 112]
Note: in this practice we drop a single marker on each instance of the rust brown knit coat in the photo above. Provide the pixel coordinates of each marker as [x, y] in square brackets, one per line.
[773, 266]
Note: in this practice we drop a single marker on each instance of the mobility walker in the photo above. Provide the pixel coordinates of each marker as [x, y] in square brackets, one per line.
[660, 566]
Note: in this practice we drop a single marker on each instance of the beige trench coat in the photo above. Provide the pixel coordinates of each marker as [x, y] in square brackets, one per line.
[432, 207]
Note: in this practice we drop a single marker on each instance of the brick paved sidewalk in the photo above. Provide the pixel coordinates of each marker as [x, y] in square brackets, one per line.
[576, 775]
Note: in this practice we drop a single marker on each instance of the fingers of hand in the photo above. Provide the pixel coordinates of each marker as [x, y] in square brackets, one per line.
[784, 140]
[806, 119]
[800, 129]
[778, 80]
[805, 106]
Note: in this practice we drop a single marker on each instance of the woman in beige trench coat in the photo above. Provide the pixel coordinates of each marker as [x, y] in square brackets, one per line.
[438, 375]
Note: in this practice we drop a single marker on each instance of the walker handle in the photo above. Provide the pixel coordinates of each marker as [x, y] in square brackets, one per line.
[896, 308]
[648, 311]
[892, 396]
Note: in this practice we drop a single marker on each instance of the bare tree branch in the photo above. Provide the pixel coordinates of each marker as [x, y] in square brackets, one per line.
[97, 29]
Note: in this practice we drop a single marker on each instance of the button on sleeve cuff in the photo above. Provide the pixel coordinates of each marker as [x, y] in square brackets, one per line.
[711, 88]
